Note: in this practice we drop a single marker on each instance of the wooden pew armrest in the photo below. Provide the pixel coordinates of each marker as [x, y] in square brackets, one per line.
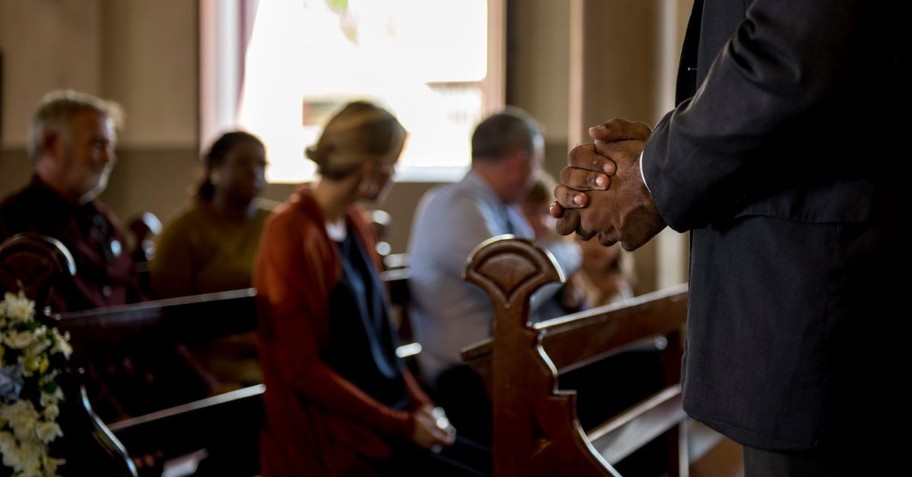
[537, 431]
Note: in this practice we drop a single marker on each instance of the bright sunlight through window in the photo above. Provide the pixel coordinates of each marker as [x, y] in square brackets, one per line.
[425, 60]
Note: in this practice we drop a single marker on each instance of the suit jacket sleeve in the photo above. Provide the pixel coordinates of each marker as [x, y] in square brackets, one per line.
[775, 92]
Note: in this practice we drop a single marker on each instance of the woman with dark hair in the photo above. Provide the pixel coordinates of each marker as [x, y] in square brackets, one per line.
[209, 246]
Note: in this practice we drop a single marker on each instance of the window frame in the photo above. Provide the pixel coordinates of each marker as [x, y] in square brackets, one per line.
[225, 28]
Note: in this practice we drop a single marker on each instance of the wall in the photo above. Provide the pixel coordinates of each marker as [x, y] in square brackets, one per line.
[46, 44]
[538, 69]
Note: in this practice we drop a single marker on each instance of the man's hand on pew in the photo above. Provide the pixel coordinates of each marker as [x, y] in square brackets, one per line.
[432, 430]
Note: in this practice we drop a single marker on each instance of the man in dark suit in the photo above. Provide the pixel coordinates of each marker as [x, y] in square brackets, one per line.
[780, 160]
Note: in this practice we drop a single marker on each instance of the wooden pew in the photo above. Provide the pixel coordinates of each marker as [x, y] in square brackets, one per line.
[221, 433]
[182, 319]
[218, 435]
[536, 429]
[225, 427]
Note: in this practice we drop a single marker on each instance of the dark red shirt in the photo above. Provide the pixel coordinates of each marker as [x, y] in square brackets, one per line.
[93, 235]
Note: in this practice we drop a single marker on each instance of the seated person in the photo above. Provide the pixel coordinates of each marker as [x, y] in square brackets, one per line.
[447, 312]
[72, 138]
[606, 275]
[209, 246]
[338, 400]
[71, 144]
[562, 299]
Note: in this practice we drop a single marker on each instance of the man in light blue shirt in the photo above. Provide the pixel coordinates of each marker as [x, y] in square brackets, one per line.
[448, 313]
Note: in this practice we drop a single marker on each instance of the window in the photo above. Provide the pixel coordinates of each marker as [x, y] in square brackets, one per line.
[433, 63]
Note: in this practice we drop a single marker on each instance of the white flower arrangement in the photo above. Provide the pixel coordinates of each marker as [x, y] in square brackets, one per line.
[30, 354]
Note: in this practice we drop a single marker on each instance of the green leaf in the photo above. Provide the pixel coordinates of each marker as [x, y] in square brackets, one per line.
[340, 6]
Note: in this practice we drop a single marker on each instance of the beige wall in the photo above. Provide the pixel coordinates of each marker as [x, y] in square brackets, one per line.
[140, 53]
[46, 44]
[150, 57]
[539, 63]
[572, 63]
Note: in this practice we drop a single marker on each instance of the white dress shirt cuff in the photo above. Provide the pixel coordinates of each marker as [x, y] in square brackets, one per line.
[643, 175]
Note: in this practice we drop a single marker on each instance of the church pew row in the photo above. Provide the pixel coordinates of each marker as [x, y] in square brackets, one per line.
[536, 428]
[219, 433]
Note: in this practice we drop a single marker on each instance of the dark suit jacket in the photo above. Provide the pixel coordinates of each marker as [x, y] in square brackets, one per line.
[780, 158]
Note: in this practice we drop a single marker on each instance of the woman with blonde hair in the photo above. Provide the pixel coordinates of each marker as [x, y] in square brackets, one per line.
[338, 400]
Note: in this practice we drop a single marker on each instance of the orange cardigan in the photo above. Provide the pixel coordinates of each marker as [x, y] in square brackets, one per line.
[317, 422]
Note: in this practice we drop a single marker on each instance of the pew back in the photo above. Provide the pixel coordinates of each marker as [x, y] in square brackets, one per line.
[536, 428]
[219, 433]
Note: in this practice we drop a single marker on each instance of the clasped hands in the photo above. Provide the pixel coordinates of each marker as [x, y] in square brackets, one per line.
[602, 192]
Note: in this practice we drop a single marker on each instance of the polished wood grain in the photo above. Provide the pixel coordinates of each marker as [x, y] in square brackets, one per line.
[536, 428]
